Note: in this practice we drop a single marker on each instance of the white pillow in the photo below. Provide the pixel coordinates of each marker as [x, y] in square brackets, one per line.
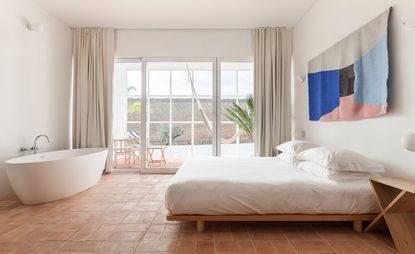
[327, 173]
[340, 160]
[289, 158]
[295, 146]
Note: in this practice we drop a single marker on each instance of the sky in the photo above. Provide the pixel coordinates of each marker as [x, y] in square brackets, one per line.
[159, 82]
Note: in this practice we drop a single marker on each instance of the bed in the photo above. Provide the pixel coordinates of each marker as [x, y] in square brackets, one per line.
[263, 189]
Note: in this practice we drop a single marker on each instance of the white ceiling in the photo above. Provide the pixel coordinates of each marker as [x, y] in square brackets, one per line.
[177, 14]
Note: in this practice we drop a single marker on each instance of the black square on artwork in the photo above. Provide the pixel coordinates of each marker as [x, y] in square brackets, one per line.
[347, 78]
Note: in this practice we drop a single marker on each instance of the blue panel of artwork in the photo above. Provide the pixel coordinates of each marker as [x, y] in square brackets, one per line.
[324, 93]
[372, 74]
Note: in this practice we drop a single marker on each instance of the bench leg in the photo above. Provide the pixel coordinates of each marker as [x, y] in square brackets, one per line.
[200, 226]
[358, 226]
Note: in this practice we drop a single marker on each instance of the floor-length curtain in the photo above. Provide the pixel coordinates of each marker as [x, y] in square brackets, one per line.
[272, 88]
[93, 62]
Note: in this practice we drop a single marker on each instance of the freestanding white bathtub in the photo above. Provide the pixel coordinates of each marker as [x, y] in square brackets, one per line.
[45, 177]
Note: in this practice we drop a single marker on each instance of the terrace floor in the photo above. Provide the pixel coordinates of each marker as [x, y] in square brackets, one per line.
[124, 213]
[176, 155]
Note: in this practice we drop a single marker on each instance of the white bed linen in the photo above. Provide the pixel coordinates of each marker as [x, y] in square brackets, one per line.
[219, 186]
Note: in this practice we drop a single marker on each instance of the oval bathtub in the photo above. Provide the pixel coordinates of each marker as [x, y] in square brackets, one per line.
[45, 177]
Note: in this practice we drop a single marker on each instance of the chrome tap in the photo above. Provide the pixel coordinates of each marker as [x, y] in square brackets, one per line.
[35, 148]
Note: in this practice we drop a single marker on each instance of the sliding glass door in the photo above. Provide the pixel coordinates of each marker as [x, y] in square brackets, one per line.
[183, 110]
[179, 112]
[236, 99]
[126, 110]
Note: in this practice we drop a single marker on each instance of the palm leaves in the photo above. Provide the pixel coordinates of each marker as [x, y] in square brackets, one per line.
[134, 106]
[244, 118]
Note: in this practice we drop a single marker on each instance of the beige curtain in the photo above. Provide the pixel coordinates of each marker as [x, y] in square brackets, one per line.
[272, 88]
[93, 62]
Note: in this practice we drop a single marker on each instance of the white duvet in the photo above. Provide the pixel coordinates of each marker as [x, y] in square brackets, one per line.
[219, 186]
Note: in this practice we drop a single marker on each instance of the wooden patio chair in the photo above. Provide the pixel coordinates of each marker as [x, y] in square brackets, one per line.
[123, 147]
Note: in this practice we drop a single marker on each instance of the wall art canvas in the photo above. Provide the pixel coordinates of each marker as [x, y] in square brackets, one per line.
[349, 80]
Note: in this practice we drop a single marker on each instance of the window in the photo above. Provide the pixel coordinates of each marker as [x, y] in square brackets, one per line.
[179, 120]
[236, 88]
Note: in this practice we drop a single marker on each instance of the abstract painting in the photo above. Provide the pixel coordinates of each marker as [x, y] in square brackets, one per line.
[349, 80]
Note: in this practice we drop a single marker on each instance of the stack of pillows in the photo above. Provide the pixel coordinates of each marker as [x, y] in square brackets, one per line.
[333, 164]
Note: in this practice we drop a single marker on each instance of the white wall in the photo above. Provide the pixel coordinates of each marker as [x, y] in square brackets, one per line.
[379, 138]
[35, 70]
[184, 43]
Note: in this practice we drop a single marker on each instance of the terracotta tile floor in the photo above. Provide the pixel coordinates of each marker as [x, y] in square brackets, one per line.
[124, 213]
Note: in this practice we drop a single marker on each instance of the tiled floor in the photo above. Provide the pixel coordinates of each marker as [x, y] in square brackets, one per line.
[124, 213]
[171, 162]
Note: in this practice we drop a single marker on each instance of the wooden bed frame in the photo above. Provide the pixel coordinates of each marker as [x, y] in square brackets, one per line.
[357, 219]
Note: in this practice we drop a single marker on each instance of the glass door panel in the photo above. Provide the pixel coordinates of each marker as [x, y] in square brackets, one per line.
[179, 121]
[179, 116]
[236, 89]
[127, 101]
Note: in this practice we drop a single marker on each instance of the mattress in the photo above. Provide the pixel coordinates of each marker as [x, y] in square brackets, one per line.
[226, 186]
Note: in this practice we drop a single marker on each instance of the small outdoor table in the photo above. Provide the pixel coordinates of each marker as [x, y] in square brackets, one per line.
[150, 152]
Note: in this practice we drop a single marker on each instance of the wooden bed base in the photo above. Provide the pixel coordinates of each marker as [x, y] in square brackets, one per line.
[357, 219]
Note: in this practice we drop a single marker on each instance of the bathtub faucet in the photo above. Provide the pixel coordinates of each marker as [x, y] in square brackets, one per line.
[35, 147]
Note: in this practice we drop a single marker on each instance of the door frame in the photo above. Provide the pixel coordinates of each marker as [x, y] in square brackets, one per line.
[123, 170]
[144, 80]
[216, 101]
[218, 95]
